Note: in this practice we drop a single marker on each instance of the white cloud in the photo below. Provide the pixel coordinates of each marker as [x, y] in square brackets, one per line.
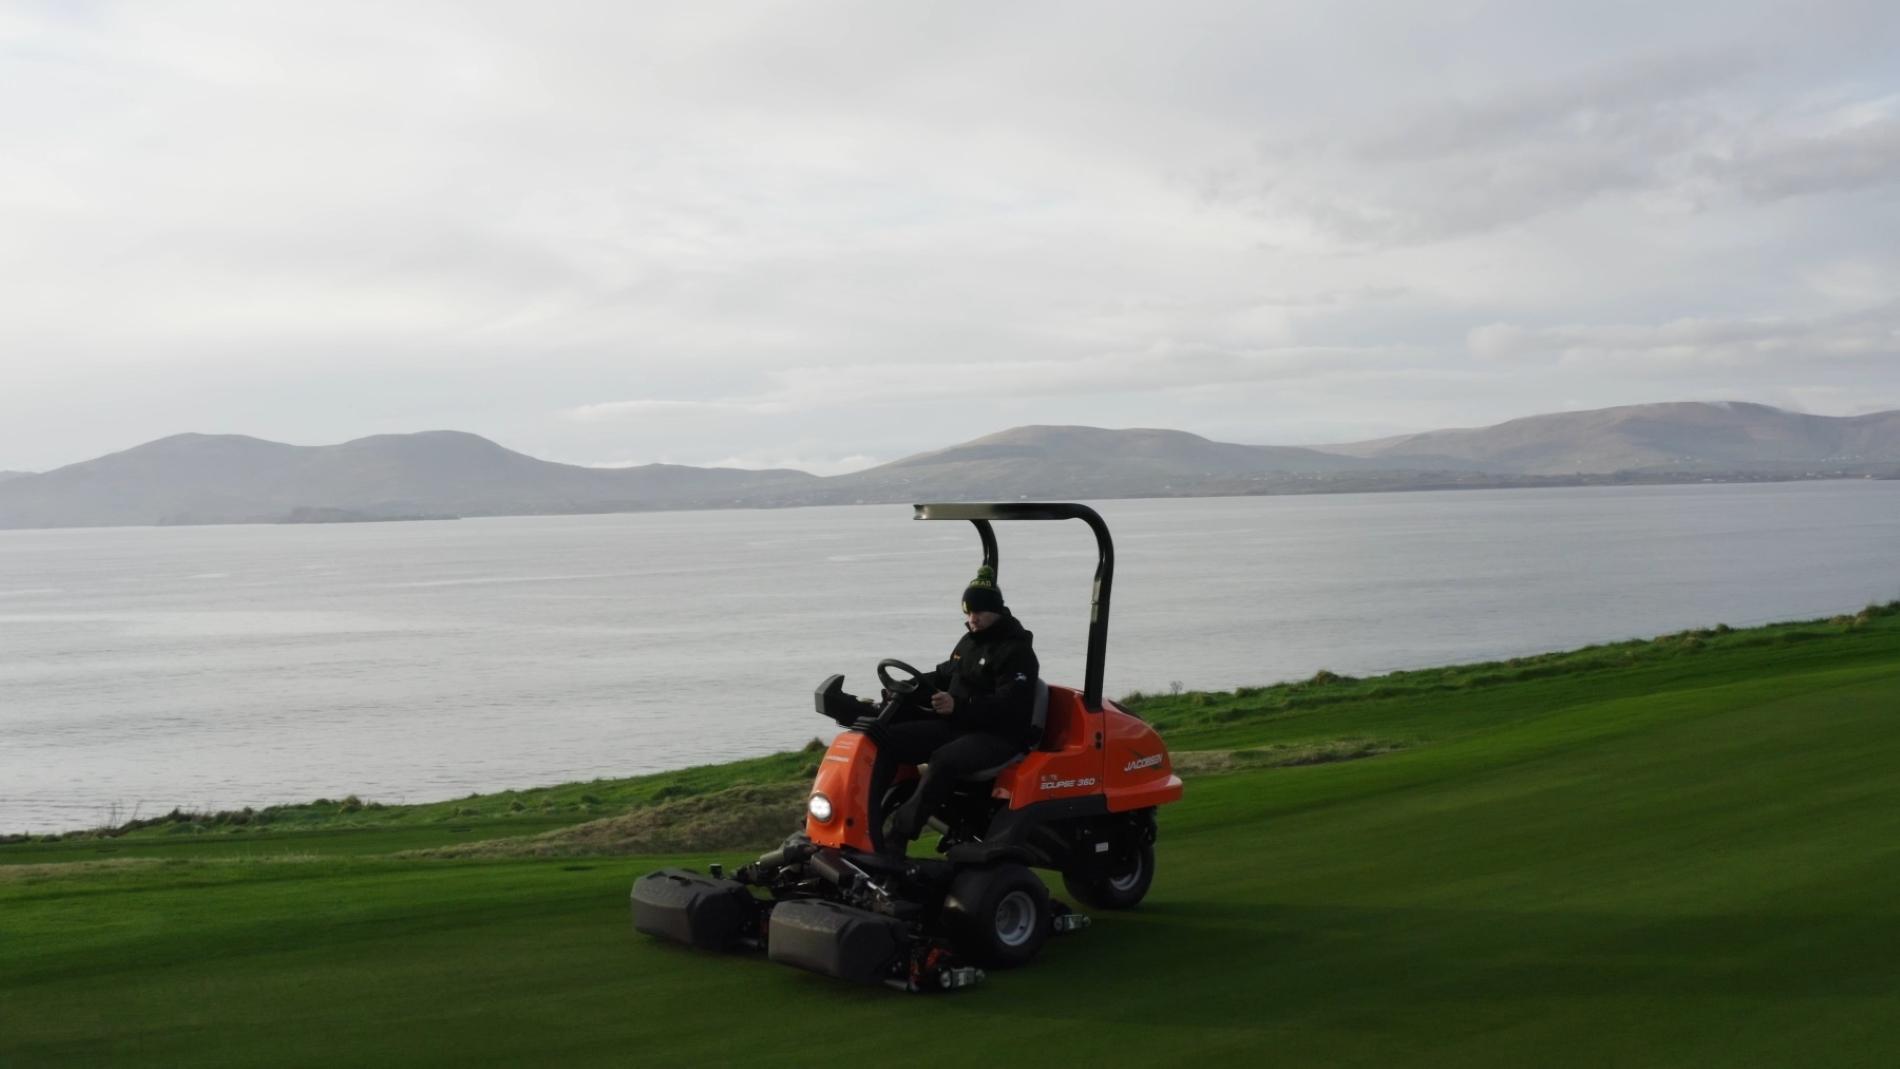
[612, 410]
[1671, 132]
[1863, 336]
[1163, 366]
[1791, 163]
[851, 227]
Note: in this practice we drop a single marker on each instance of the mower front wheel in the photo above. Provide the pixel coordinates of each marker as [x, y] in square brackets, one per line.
[998, 915]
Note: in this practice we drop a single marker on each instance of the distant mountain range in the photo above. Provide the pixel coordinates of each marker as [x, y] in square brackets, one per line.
[1687, 437]
[227, 478]
[198, 478]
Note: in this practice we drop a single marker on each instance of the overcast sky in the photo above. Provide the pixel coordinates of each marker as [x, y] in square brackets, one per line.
[825, 235]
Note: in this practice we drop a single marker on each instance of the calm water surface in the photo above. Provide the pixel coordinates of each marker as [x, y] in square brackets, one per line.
[216, 667]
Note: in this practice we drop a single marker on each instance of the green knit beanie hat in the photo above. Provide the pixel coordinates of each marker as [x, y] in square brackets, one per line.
[982, 595]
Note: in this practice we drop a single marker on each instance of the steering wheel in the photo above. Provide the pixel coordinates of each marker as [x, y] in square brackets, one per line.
[899, 686]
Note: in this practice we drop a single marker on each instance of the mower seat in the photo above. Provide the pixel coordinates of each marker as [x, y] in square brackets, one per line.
[1039, 718]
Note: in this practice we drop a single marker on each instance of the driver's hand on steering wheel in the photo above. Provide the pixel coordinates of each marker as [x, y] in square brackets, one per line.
[942, 702]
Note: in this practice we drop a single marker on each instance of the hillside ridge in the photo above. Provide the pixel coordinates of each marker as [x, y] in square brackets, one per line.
[231, 478]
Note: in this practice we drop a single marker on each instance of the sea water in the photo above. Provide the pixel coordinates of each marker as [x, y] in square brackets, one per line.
[217, 667]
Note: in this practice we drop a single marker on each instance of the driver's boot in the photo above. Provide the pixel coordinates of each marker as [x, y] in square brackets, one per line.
[906, 824]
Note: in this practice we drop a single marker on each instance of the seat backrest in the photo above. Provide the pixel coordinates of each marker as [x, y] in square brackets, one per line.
[1039, 717]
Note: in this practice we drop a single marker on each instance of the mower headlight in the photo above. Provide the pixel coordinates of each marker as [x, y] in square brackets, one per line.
[820, 808]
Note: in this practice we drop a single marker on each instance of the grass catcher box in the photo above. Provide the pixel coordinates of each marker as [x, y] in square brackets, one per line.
[700, 911]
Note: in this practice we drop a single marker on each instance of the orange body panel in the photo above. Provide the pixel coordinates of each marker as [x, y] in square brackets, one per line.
[1136, 766]
[1084, 753]
[844, 776]
[1109, 753]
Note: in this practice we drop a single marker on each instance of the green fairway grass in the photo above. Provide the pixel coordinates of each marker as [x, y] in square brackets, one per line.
[1678, 852]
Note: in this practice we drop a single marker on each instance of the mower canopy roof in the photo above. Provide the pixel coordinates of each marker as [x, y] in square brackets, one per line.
[980, 515]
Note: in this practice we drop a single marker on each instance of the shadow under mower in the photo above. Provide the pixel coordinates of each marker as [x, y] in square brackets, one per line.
[1080, 802]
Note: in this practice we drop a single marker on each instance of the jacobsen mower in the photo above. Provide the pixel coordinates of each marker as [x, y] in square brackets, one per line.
[1080, 802]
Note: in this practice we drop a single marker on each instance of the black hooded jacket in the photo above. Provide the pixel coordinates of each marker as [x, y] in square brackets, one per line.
[992, 675]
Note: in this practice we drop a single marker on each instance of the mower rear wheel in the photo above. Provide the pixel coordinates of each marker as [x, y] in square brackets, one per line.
[1120, 884]
[998, 916]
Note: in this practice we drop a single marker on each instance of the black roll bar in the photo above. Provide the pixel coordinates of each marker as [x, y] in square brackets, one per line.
[980, 516]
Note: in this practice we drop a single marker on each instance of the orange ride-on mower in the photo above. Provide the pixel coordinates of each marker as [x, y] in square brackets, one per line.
[1081, 803]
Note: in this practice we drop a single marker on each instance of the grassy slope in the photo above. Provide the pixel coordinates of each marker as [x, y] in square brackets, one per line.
[1674, 854]
[350, 826]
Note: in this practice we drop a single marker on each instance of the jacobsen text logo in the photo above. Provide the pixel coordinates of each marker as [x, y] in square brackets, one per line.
[1143, 762]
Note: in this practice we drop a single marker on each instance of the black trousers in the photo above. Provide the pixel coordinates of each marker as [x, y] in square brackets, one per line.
[951, 754]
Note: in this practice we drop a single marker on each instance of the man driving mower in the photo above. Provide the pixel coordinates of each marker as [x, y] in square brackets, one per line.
[977, 716]
[1022, 774]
